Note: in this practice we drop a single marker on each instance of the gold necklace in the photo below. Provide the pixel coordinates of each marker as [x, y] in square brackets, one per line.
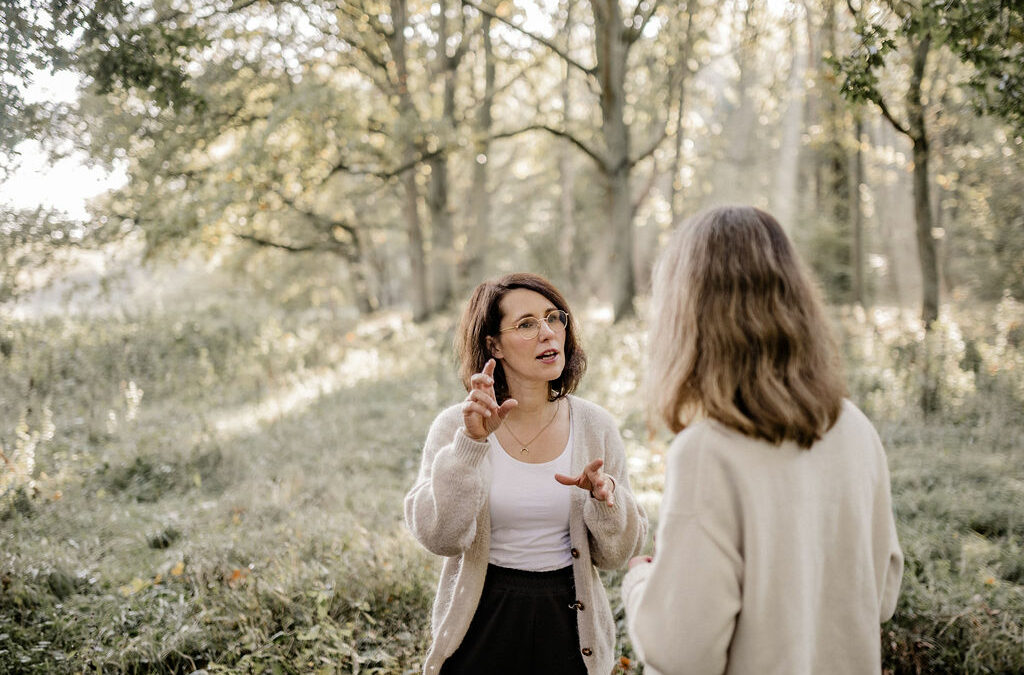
[526, 446]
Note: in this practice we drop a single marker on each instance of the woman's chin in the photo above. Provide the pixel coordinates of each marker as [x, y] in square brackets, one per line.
[552, 371]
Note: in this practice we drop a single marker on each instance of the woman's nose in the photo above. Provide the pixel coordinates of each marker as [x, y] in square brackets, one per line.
[545, 330]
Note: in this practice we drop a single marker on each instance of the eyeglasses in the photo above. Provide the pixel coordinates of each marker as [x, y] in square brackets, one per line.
[529, 328]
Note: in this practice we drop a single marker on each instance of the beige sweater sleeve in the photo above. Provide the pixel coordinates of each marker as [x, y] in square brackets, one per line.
[892, 569]
[617, 532]
[442, 507]
[681, 609]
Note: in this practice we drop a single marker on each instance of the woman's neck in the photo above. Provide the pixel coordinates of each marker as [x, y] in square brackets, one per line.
[532, 398]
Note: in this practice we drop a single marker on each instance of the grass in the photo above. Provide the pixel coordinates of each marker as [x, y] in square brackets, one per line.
[221, 488]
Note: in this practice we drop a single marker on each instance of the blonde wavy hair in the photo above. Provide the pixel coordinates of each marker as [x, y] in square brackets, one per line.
[738, 332]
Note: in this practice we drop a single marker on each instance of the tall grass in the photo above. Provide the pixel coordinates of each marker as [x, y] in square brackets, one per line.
[221, 488]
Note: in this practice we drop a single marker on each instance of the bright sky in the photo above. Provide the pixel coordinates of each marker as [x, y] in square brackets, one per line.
[66, 185]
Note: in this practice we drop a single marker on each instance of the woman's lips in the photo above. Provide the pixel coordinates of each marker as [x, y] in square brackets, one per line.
[549, 356]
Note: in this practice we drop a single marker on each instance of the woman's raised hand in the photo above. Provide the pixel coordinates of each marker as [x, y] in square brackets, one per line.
[481, 414]
[600, 484]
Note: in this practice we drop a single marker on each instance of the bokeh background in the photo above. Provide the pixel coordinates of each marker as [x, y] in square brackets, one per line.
[217, 373]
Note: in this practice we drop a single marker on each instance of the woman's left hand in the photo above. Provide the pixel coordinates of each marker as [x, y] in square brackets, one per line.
[600, 484]
[640, 560]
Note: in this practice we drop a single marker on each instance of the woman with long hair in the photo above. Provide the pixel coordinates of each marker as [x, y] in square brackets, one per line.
[523, 489]
[776, 543]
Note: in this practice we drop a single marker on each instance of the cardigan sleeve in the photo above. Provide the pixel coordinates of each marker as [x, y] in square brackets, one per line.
[441, 508]
[682, 608]
[891, 567]
[617, 532]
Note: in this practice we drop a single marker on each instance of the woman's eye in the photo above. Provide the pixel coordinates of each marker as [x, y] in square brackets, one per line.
[529, 324]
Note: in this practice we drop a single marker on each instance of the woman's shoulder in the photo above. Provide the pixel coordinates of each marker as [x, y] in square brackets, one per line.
[592, 412]
[694, 436]
[852, 420]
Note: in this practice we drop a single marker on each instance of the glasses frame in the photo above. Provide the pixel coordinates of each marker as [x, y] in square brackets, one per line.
[565, 324]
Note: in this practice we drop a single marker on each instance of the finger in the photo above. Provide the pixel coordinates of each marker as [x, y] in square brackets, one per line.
[484, 399]
[477, 408]
[505, 408]
[604, 495]
[489, 368]
[594, 466]
[609, 497]
[566, 480]
[481, 381]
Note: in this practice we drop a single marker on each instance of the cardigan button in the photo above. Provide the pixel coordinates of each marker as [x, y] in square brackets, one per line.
[577, 605]
[587, 651]
[574, 553]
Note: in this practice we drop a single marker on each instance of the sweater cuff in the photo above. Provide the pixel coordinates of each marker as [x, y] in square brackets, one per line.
[467, 450]
[602, 511]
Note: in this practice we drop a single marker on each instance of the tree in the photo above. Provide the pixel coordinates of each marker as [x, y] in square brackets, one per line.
[99, 37]
[985, 34]
[614, 38]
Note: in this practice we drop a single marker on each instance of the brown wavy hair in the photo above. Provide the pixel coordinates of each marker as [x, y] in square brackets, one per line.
[482, 319]
[738, 332]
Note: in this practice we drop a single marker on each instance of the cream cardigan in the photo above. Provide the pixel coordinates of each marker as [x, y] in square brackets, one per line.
[448, 513]
[769, 560]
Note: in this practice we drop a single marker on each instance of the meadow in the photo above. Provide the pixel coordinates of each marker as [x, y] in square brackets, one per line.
[218, 484]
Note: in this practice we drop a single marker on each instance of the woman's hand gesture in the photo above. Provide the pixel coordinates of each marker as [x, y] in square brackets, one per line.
[481, 414]
[600, 484]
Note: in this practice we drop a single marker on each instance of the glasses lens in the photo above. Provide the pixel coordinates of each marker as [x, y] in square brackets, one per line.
[557, 320]
[528, 329]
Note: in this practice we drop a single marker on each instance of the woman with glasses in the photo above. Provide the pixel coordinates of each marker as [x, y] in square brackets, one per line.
[523, 489]
[777, 548]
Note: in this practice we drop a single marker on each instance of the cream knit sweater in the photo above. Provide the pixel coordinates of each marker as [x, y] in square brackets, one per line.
[769, 559]
[447, 511]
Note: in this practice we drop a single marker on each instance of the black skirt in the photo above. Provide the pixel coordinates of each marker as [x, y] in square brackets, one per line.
[525, 623]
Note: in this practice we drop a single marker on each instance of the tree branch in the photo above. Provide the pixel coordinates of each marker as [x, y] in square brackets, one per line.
[889, 116]
[634, 32]
[260, 241]
[650, 150]
[387, 174]
[646, 191]
[592, 71]
[595, 155]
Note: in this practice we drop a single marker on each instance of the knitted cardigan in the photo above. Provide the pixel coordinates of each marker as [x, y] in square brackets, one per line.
[447, 511]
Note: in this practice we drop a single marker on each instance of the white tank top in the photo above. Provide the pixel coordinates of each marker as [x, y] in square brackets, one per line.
[530, 511]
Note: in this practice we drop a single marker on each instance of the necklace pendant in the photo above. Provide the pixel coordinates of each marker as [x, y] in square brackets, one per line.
[524, 450]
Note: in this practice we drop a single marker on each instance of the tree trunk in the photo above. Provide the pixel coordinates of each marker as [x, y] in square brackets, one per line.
[676, 184]
[612, 52]
[930, 361]
[834, 111]
[442, 233]
[567, 172]
[736, 175]
[473, 268]
[922, 198]
[809, 170]
[442, 240]
[857, 215]
[784, 202]
[421, 307]
[355, 256]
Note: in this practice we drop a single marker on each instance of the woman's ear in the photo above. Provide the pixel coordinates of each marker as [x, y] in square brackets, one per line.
[494, 347]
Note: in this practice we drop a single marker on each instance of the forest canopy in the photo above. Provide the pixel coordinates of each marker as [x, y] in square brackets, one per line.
[429, 144]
